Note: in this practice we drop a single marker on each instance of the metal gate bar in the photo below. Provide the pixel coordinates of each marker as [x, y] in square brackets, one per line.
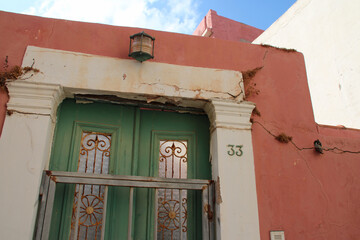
[50, 179]
[48, 209]
[205, 206]
[131, 201]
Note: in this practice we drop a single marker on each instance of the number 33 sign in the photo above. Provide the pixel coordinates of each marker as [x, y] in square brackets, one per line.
[237, 151]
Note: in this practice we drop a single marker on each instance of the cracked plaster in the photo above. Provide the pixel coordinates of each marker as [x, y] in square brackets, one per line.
[114, 76]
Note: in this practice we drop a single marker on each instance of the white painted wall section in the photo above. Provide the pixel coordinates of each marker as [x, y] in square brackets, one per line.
[327, 33]
[25, 149]
[20, 172]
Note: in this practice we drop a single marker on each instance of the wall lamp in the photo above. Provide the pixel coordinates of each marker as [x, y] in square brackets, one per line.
[141, 46]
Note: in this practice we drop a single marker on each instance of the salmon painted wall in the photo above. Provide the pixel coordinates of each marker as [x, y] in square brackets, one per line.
[306, 194]
[227, 29]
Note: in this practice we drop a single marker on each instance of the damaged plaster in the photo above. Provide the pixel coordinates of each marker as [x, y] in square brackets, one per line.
[112, 76]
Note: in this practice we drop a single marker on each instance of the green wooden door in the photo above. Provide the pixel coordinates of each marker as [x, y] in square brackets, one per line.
[126, 140]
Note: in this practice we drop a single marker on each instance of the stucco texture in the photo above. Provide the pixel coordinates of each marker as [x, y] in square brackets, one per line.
[308, 195]
[224, 28]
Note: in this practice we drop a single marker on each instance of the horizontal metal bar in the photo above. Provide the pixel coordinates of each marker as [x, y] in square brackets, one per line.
[129, 178]
[126, 183]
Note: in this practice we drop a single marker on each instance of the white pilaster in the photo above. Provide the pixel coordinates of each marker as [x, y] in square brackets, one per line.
[233, 170]
[25, 148]
[35, 98]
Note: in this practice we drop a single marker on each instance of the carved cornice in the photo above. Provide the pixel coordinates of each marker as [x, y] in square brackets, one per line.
[231, 115]
[34, 98]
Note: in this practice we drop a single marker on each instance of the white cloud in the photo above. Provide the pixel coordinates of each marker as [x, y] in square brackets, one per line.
[168, 15]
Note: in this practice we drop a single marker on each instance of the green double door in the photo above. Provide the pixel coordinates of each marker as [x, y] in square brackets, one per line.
[125, 140]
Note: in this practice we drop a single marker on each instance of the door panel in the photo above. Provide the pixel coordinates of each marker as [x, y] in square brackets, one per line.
[73, 120]
[136, 135]
[157, 126]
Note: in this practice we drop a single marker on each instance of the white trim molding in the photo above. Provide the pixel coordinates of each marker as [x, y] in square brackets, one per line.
[229, 114]
[34, 98]
[233, 169]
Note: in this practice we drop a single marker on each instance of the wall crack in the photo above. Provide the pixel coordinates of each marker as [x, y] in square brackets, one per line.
[198, 91]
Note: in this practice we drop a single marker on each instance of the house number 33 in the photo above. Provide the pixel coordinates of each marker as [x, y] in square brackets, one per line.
[235, 150]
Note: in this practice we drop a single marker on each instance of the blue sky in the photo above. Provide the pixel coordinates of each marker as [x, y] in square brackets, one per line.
[168, 15]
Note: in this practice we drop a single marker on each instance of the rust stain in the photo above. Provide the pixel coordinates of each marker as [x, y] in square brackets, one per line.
[207, 210]
[151, 179]
[210, 214]
[218, 191]
[198, 95]
[53, 178]
[176, 87]
[48, 172]
[152, 99]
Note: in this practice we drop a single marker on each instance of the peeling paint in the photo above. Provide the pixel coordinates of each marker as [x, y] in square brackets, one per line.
[154, 102]
[208, 211]
[106, 75]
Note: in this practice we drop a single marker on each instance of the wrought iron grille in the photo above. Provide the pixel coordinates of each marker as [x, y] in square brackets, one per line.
[172, 203]
[51, 178]
[88, 200]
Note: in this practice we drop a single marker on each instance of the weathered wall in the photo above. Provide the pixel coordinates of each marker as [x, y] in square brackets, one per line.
[328, 36]
[220, 27]
[116, 76]
[308, 195]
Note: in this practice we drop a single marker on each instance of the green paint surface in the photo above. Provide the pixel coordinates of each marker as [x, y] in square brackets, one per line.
[136, 133]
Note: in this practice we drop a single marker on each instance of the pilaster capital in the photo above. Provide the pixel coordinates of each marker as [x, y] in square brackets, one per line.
[229, 114]
[35, 98]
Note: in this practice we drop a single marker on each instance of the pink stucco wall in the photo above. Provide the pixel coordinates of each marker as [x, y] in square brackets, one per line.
[308, 195]
[224, 28]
